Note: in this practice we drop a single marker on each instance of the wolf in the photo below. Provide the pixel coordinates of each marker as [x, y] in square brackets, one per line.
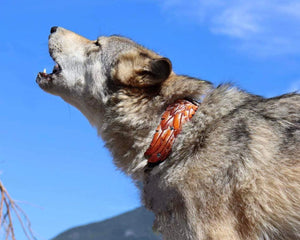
[230, 170]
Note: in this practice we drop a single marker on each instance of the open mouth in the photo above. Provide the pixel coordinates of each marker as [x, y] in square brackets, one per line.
[44, 77]
[56, 70]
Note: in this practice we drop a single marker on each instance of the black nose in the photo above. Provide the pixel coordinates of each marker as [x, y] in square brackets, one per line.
[53, 29]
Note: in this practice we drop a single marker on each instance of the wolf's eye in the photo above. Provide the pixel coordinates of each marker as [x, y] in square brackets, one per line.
[97, 44]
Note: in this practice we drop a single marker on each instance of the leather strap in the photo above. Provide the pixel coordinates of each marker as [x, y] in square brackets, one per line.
[170, 126]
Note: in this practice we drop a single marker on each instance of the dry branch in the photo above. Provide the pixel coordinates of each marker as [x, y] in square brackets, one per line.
[8, 208]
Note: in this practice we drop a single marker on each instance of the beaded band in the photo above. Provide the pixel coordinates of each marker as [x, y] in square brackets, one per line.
[170, 126]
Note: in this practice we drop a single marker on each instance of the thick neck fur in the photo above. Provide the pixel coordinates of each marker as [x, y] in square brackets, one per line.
[128, 127]
[134, 114]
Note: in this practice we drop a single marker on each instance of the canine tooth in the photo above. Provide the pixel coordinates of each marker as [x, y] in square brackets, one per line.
[44, 70]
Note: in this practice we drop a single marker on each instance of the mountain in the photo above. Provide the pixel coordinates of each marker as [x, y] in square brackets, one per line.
[132, 225]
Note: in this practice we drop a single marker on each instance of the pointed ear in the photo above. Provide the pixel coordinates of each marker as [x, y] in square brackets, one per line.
[153, 72]
[140, 70]
[159, 69]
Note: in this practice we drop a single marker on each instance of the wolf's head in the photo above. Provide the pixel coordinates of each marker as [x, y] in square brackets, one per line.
[83, 64]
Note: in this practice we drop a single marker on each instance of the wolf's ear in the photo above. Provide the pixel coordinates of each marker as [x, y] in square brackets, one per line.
[157, 71]
[139, 70]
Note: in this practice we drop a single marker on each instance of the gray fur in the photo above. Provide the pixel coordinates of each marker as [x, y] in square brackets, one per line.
[234, 171]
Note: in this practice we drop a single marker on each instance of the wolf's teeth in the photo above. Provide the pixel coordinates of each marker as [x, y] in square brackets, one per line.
[44, 70]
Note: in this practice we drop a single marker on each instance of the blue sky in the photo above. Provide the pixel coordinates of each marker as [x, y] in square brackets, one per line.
[50, 157]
